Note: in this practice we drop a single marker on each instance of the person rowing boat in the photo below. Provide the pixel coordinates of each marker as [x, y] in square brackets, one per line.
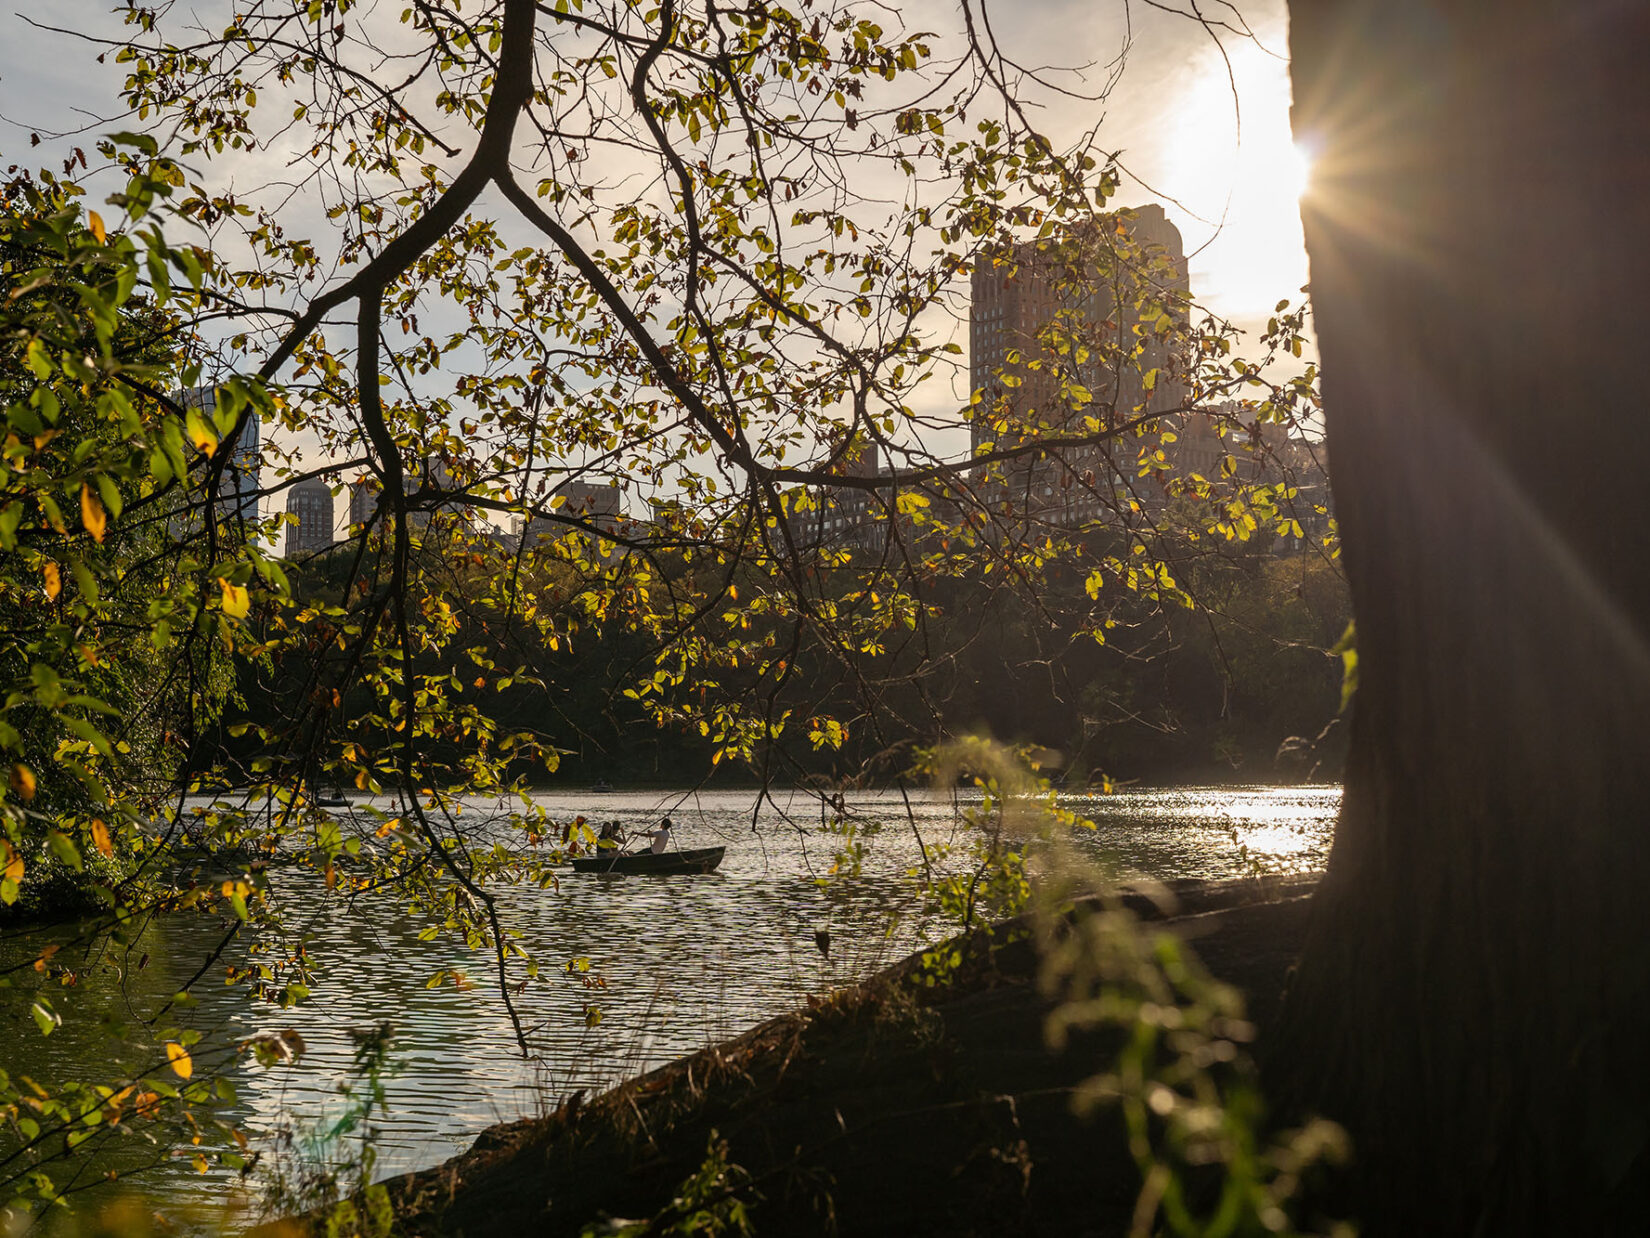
[661, 837]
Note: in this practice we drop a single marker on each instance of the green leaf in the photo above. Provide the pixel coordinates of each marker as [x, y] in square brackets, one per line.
[10, 517]
[111, 495]
[38, 360]
[45, 1018]
[142, 141]
[1347, 648]
[64, 849]
[84, 578]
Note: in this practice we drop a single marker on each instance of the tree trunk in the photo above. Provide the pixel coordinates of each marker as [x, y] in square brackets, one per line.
[1473, 1002]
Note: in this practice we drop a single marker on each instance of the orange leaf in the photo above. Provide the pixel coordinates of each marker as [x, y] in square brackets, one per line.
[94, 221]
[100, 836]
[22, 782]
[92, 514]
[54, 581]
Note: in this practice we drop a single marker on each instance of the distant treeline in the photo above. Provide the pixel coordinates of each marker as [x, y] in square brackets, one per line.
[1169, 694]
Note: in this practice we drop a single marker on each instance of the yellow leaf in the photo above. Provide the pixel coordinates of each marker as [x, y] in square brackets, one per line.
[206, 442]
[95, 222]
[236, 602]
[22, 782]
[100, 836]
[179, 1057]
[54, 581]
[14, 862]
[92, 514]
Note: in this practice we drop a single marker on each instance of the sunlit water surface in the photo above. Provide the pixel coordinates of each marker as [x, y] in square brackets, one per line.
[674, 962]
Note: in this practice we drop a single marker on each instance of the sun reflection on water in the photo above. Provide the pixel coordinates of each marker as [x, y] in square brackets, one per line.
[684, 961]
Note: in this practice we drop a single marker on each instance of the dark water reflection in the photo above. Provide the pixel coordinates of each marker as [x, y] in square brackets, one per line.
[674, 962]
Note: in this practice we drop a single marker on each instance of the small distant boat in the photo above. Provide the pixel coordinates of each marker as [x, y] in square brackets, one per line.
[601, 787]
[648, 863]
[326, 799]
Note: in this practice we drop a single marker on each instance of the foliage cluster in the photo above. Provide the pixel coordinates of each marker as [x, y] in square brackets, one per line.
[1184, 1080]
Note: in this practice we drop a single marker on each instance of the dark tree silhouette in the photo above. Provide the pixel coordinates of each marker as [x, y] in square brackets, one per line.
[1472, 1002]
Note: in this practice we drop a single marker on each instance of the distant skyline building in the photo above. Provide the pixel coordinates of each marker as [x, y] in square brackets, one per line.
[1085, 294]
[363, 500]
[594, 503]
[1216, 441]
[309, 503]
[366, 497]
[240, 486]
[846, 516]
[1013, 301]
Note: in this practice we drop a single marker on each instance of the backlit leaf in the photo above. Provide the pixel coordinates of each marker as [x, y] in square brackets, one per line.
[92, 515]
[22, 782]
[45, 1018]
[200, 432]
[182, 1063]
[236, 601]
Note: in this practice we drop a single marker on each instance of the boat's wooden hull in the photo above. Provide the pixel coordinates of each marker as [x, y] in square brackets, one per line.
[646, 863]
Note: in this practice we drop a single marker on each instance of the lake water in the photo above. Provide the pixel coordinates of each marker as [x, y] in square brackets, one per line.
[674, 962]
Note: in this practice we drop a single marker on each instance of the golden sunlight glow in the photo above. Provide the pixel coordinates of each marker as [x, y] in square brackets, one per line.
[1295, 171]
[1240, 186]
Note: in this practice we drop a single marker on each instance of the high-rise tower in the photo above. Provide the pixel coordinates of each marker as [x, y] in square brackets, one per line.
[1059, 331]
[239, 488]
[309, 503]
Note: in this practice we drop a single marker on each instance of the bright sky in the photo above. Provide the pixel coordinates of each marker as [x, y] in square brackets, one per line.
[1199, 116]
[1174, 117]
[1201, 120]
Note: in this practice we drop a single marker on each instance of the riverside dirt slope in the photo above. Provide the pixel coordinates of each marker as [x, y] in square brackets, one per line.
[894, 1107]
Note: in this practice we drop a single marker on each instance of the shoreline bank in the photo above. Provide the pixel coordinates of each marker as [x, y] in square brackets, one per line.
[892, 1107]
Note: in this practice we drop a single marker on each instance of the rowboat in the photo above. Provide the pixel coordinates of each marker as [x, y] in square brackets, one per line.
[648, 863]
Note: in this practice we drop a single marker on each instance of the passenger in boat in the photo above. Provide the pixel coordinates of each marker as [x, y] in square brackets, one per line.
[612, 834]
[661, 837]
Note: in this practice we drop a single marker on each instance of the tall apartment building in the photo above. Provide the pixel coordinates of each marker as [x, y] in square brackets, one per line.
[843, 516]
[595, 503]
[309, 503]
[365, 497]
[239, 487]
[1087, 290]
[363, 500]
[1099, 294]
